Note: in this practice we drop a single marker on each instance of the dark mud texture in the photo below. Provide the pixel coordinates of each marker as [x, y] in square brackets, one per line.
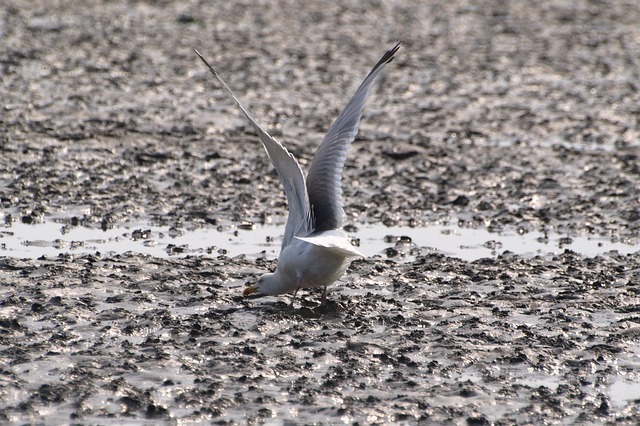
[510, 115]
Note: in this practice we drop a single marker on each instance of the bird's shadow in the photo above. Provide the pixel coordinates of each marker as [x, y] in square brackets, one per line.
[301, 307]
[329, 309]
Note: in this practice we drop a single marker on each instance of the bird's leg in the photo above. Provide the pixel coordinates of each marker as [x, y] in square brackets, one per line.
[293, 299]
[323, 298]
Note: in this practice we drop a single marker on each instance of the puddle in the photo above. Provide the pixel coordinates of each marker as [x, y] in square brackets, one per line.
[623, 392]
[52, 238]
[625, 389]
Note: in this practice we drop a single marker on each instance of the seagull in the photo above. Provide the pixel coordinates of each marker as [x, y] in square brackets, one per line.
[315, 252]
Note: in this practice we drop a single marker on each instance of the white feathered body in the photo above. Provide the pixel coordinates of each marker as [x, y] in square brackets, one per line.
[314, 261]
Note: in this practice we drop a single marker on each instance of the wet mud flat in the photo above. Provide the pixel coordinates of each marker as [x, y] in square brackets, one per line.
[504, 115]
[96, 338]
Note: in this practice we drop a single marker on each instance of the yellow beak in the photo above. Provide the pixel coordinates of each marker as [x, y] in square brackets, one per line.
[249, 290]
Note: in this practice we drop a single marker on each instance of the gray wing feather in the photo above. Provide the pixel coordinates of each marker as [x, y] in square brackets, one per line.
[289, 171]
[325, 174]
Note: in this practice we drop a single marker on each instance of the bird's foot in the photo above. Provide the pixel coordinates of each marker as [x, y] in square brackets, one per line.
[293, 298]
[323, 298]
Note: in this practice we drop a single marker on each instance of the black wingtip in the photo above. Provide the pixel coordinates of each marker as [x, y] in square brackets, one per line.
[199, 55]
[388, 57]
[211, 69]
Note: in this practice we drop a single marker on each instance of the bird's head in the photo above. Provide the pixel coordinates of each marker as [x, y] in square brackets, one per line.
[261, 286]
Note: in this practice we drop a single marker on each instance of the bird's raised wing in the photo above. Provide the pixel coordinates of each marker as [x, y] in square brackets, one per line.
[325, 174]
[289, 171]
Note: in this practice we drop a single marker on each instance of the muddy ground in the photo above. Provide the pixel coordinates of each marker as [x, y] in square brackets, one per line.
[505, 115]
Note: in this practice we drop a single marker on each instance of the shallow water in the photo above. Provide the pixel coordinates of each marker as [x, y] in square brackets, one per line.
[623, 392]
[52, 238]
